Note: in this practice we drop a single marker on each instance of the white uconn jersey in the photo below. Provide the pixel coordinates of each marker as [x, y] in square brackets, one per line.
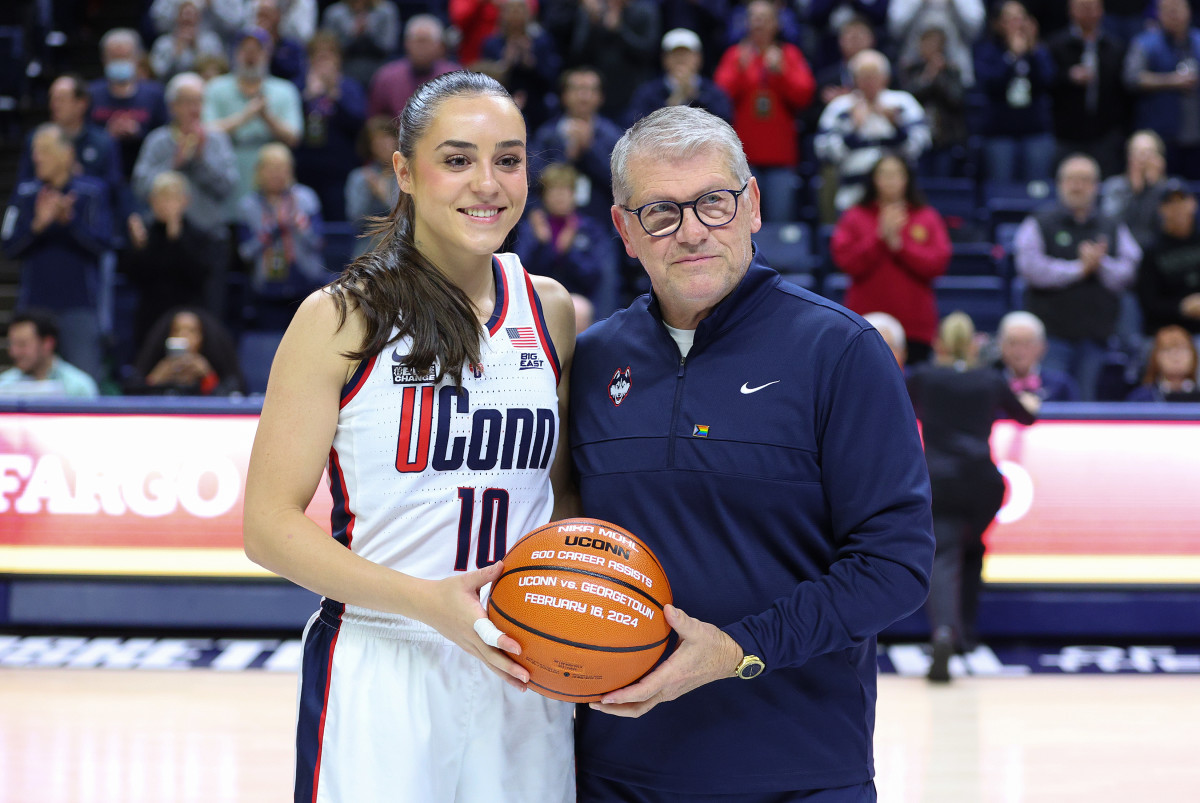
[430, 480]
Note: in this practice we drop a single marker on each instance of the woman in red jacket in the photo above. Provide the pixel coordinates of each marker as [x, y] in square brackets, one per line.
[893, 245]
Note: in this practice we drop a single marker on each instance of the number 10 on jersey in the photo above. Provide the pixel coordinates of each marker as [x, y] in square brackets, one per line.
[491, 536]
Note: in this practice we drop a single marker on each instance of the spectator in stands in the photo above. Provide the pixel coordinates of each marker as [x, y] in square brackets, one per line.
[280, 239]
[581, 137]
[556, 240]
[187, 352]
[1170, 369]
[424, 58]
[956, 401]
[936, 83]
[475, 21]
[204, 156]
[127, 107]
[892, 332]
[371, 190]
[178, 49]
[58, 225]
[619, 39]
[858, 128]
[829, 16]
[209, 67]
[1168, 280]
[770, 84]
[1133, 196]
[95, 151]
[334, 109]
[1088, 98]
[1162, 68]
[225, 18]
[288, 58]
[527, 60]
[168, 259]
[253, 107]
[1076, 263]
[893, 245]
[681, 83]
[834, 80]
[960, 22]
[1014, 72]
[369, 33]
[1022, 339]
[37, 370]
[737, 25]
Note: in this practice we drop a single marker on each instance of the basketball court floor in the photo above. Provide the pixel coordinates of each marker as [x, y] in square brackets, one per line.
[223, 733]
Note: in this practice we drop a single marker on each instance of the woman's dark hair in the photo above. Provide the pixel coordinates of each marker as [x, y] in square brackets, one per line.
[217, 346]
[912, 193]
[394, 284]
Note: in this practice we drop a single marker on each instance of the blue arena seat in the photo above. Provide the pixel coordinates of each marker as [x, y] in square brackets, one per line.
[256, 350]
[1012, 202]
[339, 244]
[786, 246]
[984, 298]
[973, 259]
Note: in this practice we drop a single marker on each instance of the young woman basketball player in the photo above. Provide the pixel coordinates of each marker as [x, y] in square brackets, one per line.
[430, 378]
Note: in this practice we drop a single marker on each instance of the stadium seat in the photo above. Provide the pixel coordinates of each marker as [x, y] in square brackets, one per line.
[256, 350]
[984, 298]
[973, 259]
[786, 246]
[1013, 202]
[339, 245]
[955, 201]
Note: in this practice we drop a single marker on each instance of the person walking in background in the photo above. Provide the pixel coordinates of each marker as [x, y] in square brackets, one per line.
[893, 246]
[956, 401]
[735, 454]
[409, 349]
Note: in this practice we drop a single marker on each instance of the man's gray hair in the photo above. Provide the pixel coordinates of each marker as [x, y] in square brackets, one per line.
[181, 82]
[1021, 319]
[673, 133]
[891, 329]
[125, 35]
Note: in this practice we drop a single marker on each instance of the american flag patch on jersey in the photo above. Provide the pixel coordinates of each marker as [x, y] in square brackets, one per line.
[523, 337]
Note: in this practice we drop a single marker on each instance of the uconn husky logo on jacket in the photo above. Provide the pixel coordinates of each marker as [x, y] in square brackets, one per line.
[441, 479]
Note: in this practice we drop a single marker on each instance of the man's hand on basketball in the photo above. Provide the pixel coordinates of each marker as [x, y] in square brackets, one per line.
[455, 607]
[705, 653]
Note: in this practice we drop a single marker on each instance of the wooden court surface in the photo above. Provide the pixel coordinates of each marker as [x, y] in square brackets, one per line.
[117, 736]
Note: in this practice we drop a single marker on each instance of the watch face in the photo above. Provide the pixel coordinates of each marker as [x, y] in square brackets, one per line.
[751, 671]
[752, 666]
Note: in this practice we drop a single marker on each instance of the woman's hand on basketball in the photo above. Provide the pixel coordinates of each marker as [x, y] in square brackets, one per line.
[453, 611]
[705, 653]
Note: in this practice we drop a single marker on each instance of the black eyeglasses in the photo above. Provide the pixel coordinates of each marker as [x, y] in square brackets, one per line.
[663, 218]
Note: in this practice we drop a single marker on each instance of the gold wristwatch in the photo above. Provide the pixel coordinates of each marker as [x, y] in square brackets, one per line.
[751, 666]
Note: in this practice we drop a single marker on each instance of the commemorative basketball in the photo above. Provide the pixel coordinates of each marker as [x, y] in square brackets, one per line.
[584, 599]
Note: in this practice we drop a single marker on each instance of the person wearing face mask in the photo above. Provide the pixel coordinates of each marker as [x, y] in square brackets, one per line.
[253, 108]
[124, 103]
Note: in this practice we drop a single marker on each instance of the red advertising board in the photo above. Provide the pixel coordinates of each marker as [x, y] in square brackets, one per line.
[1088, 501]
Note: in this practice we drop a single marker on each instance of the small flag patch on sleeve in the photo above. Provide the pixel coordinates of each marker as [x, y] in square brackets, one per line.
[700, 431]
[523, 337]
